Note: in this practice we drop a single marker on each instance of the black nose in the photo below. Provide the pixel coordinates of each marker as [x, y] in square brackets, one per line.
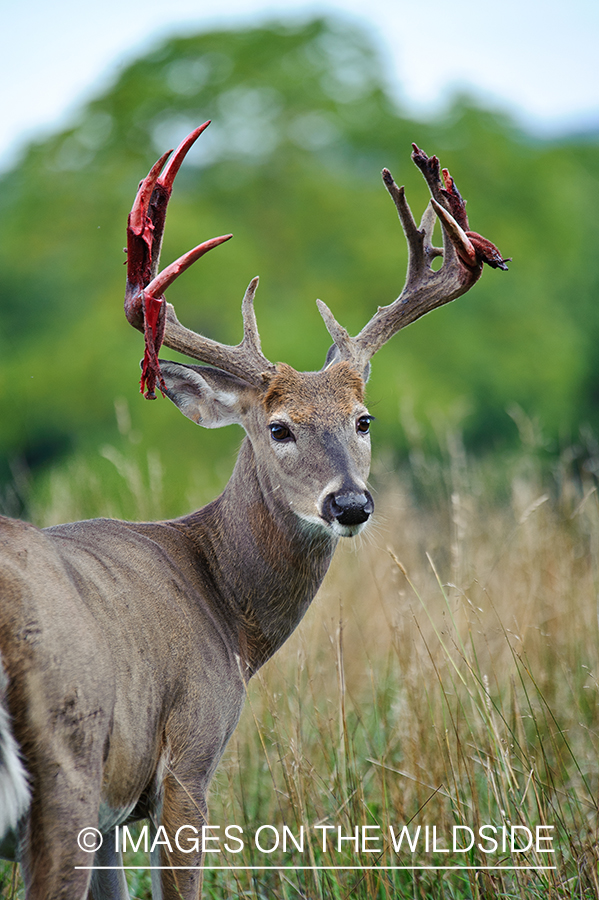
[348, 507]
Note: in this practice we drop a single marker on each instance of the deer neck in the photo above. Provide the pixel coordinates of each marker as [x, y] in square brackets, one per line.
[266, 564]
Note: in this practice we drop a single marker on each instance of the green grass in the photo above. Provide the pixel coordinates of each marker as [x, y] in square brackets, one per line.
[446, 675]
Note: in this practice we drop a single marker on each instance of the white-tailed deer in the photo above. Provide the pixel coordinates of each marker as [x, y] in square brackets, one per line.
[125, 649]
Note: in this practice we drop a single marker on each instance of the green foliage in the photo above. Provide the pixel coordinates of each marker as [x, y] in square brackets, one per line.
[302, 126]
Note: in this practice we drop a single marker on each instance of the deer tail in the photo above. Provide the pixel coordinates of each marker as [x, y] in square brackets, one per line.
[15, 794]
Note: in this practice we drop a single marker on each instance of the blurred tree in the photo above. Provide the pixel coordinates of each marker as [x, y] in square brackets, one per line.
[302, 125]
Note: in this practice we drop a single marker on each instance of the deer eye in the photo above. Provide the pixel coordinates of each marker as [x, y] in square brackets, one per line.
[280, 432]
[363, 424]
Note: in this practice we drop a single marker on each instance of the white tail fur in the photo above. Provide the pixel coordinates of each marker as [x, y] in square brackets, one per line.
[14, 785]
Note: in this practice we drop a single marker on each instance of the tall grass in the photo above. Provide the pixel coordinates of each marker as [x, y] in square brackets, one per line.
[447, 675]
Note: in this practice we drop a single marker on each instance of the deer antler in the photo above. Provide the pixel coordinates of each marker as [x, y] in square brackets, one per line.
[464, 253]
[145, 306]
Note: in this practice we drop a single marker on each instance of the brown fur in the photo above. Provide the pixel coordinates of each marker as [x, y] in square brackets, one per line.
[304, 396]
[128, 647]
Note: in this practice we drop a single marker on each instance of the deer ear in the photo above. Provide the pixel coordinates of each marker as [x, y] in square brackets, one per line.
[207, 396]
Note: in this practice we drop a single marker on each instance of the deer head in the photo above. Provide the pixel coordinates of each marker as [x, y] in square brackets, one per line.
[309, 430]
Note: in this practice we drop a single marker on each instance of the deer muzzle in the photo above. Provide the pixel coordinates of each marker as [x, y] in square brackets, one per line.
[348, 508]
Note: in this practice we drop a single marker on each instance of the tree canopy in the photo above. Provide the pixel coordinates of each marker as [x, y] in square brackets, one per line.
[303, 123]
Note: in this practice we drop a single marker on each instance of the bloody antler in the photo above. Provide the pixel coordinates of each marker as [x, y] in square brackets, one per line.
[464, 253]
[145, 306]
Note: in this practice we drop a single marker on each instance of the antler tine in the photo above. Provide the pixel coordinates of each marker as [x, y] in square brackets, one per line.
[145, 306]
[414, 237]
[458, 239]
[343, 342]
[163, 189]
[161, 282]
[425, 289]
[170, 173]
[245, 359]
[251, 336]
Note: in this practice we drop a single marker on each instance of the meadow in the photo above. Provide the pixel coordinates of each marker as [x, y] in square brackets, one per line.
[445, 676]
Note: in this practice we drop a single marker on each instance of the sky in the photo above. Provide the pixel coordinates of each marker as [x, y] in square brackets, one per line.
[534, 58]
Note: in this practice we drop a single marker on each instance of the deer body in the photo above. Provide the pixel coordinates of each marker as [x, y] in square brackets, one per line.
[125, 649]
[130, 645]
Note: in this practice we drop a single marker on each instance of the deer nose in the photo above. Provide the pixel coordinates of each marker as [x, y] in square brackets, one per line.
[348, 507]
